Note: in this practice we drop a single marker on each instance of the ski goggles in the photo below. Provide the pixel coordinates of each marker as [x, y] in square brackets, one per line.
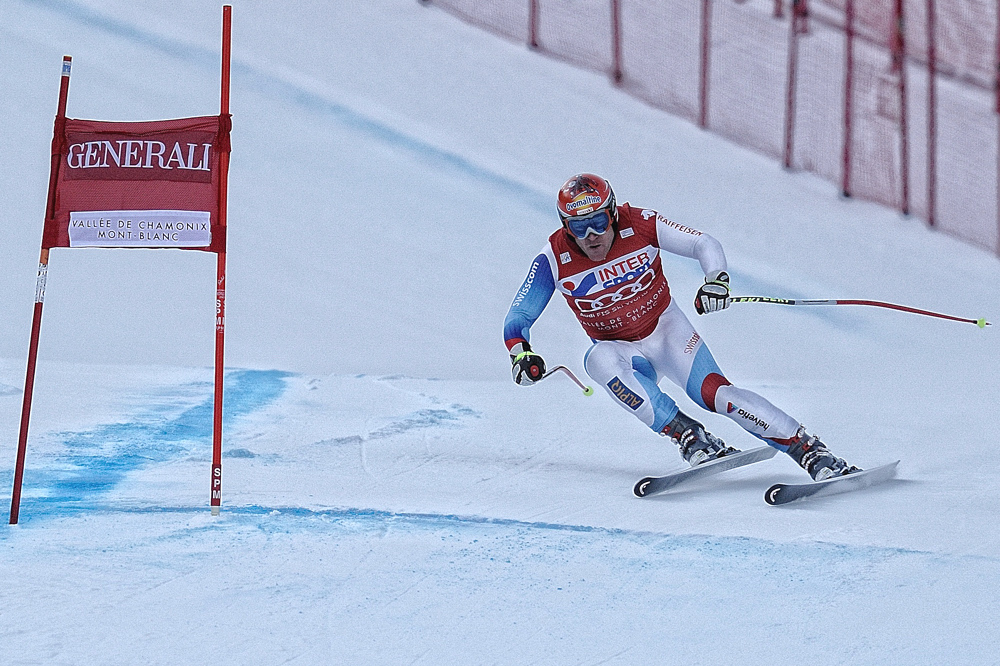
[596, 223]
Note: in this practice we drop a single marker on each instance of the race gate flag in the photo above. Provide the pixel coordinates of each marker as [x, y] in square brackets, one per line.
[151, 184]
[157, 184]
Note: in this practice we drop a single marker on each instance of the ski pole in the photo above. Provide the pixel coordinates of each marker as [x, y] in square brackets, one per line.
[587, 390]
[981, 323]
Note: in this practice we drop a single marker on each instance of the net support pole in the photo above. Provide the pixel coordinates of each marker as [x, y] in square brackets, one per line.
[931, 116]
[790, 85]
[617, 73]
[899, 65]
[704, 62]
[533, 24]
[845, 159]
[220, 285]
[36, 320]
[996, 109]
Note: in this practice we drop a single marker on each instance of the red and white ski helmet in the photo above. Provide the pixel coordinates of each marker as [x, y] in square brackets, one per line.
[585, 194]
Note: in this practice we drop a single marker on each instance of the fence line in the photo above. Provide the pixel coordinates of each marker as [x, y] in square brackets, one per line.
[911, 86]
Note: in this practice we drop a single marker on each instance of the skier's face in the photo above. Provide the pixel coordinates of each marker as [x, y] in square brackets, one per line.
[596, 246]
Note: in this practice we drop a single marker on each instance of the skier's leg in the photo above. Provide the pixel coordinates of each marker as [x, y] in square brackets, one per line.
[680, 354]
[630, 380]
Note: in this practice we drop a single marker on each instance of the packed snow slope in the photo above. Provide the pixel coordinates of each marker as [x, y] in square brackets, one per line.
[389, 495]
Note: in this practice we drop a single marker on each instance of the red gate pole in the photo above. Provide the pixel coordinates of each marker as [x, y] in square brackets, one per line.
[899, 66]
[931, 116]
[703, 73]
[845, 176]
[220, 294]
[43, 269]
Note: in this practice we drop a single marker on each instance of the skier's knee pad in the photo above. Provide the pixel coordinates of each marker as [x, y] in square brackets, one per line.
[710, 388]
[705, 379]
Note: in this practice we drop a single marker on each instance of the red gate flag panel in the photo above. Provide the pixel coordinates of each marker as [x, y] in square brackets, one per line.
[139, 184]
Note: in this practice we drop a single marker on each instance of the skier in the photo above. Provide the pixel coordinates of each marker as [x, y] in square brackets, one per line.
[605, 260]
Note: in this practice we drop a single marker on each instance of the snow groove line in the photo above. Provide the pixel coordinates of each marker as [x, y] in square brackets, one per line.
[707, 544]
[422, 419]
[277, 85]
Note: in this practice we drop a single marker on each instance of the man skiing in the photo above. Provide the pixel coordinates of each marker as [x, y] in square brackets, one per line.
[605, 260]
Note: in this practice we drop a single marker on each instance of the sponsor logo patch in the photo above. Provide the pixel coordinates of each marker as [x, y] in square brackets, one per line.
[623, 293]
[631, 268]
[689, 348]
[625, 394]
[526, 287]
[625, 233]
[678, 227]
[586, 201]
[181, 156]
[565, 258]
[586, 284]
[742, 413]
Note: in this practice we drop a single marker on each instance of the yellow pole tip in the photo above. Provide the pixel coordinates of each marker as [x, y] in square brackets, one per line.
[588, 391]
[982, 323]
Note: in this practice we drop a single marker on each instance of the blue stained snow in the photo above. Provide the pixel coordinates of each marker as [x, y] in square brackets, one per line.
[97, 460]
[828, 565]
[285, 90]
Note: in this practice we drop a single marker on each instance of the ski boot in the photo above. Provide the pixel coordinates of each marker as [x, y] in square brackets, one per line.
[813, 456]
[695, 443]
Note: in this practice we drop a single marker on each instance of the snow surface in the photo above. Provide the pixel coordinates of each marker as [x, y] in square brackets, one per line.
[389, 495]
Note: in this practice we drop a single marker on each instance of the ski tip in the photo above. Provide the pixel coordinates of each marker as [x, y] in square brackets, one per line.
[772, 494]
[640, 487]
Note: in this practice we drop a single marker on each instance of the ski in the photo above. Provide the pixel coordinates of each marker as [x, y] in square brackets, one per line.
[783, 493]
[651, 485]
